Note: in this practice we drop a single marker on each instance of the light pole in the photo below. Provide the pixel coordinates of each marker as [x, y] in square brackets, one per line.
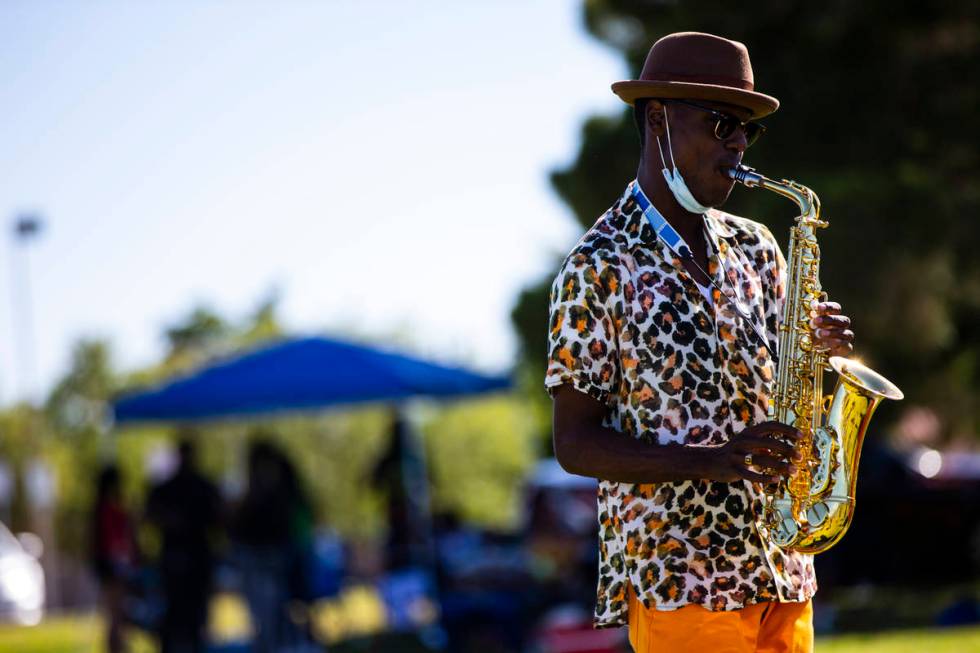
[37, 481]
[27, 227]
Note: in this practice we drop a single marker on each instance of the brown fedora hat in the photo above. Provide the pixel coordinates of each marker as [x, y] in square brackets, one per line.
[696, 66]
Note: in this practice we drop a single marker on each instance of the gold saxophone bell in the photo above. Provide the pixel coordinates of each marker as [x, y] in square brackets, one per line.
[811, 510]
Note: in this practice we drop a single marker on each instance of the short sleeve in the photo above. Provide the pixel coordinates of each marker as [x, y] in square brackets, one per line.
[582, 335]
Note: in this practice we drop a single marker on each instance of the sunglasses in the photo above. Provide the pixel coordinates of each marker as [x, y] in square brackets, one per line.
[726, 124]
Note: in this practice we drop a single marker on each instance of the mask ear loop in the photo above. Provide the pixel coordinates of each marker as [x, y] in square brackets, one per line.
[670, 148]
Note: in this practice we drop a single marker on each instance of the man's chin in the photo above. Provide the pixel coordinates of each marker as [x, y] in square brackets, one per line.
[715, 202]
[716, 196]
[718, 199]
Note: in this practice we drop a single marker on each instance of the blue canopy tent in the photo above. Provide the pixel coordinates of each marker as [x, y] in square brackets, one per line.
[300, 374]
[308, 374]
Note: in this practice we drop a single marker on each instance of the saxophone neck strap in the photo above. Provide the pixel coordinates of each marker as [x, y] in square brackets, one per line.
[661, 227]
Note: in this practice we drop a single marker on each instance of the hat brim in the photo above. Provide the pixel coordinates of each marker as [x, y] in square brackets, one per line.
[759, 104]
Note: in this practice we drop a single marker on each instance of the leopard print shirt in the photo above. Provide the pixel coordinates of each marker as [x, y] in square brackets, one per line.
[630, 327]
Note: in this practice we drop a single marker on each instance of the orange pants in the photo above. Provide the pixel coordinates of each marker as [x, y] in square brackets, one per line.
[757, 628]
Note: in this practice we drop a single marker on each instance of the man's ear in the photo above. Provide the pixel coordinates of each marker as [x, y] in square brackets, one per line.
[655, 118]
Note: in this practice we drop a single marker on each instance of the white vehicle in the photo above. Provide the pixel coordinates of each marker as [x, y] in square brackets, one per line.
[21, 578]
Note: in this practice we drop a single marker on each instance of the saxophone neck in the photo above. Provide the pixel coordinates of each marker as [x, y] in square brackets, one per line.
[803, 197]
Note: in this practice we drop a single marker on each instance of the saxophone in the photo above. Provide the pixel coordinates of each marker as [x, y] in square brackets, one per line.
[811, 510]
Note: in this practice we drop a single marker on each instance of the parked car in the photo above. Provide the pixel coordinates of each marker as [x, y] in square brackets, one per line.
[21, 578]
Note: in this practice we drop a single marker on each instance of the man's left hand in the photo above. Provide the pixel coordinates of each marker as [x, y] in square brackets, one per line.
[831, 330]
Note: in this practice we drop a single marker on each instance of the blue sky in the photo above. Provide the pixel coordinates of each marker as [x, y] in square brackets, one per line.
[382, 164]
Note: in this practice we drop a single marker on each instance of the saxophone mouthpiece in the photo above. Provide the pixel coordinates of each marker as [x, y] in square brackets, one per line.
[744, 175]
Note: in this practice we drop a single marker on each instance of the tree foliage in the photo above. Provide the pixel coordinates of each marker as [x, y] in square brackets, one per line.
[479, 454]
[877, 99]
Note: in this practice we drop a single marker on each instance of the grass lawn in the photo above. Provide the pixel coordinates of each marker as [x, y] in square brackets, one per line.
[82, 634]
[64, 634]
[949, 640]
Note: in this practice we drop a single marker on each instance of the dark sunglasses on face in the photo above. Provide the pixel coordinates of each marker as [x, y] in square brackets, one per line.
[726, 124]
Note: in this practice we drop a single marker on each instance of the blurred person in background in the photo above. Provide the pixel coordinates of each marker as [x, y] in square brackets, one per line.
[186, 508]
[301, 533]
[272, 535]
[388, 477]
[400, 476]
[660, 378]
[113, 553]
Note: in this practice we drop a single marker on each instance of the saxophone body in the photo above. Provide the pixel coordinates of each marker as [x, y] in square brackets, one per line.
[811, 510]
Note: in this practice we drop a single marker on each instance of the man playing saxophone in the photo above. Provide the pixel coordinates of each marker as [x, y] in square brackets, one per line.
[662, 346]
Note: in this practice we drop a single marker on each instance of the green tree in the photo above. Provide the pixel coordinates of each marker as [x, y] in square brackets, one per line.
[74, 438]
[22, 431]
[202, 335]
[263, 324]
[479, 453]
[875, 98]
[77, 401]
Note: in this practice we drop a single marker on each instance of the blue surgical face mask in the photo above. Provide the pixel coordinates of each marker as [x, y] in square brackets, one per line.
[675, 182]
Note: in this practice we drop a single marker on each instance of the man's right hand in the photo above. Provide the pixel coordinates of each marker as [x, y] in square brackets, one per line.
[585, 447]
[773, 448]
